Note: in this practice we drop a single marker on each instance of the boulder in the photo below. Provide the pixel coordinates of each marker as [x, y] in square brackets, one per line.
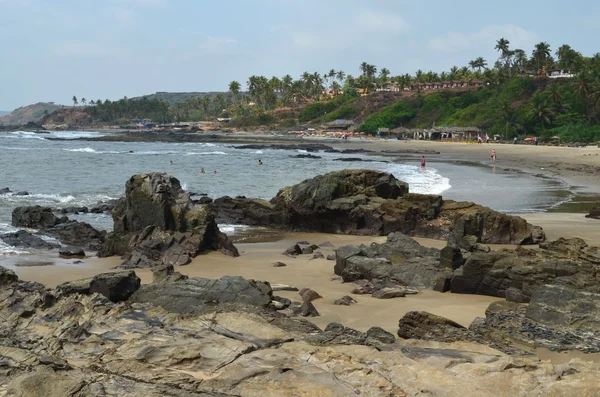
[389, 293]
[317, 255]
[293, 250]
[330, 257]
[117, 287]
[345, 301]
[307, 309]
[21, 193]
[252, 212]
[4, 190]
[25, 239]
[74, 210]
[71, 252]
[279, 264]
[427, 326]
[363, 287]
[35, 217]
[157, 223]
[78, 234]
[308, 295]
[337, 334]
[196, 295]
[377, 336]
[103, 206]
[594, 212]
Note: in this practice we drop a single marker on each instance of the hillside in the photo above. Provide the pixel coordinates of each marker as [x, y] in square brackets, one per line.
[3, 113]
[179, 97]
[31, 113]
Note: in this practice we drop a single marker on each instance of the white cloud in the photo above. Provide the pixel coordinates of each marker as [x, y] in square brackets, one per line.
[453, 42]
[382, 22]
[217, 44]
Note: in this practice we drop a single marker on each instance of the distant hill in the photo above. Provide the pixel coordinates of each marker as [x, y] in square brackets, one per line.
[178, 97]
[3, 113]
[30, 113]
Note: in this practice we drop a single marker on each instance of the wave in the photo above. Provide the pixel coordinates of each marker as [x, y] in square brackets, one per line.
[203, 153]
[420, 180]
[90, 150]
[302, 151]
[258, 152]
[22, 135]
[55, 199]
[230, 229]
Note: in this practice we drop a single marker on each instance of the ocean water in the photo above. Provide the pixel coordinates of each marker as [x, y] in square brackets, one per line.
[77, 173]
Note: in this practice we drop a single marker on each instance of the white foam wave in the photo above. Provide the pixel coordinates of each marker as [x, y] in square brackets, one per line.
[75, 134]
[22, 135]
[6, 249]
[258, 152]
[45, 199]
[302, 151]
[420, 180]
[90, 150]
[231, 229]
[155, 152]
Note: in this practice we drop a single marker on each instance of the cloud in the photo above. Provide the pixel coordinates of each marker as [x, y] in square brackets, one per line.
[453, 42]
[380, 22]
[217, 44]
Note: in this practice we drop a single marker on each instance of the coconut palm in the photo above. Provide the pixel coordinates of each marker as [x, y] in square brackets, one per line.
[541, 53]
[340, 75]
[480, 62]
[502, 45]
[541, 109]
[473, 64]
[74, 100]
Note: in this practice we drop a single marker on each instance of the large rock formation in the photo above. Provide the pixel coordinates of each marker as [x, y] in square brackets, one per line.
[251, 212]
[35, 217]
[85, 345]
[512, 274]
[157, 223]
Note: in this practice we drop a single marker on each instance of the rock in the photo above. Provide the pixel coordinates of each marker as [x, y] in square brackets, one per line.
[326, 244]
[34, 264]
[79, 234]
[22, 238]
[103, 206]
[156, 224]
[309, 147]
[74, 210]
[594, 212]
[389, 293]
[283, 287]
[308, 310]
[243, 211]
[337, 334]
[21, 193]
[4, 190]
[306, 156]
[427, 326]
[363, 287]
[117, 287]
[318, 255]
[282, 303]
[205, 200]
[331, 257]
[35, 217]
[306, 250]
[345, 301]
[380, 335]
[308, 295]
[279, 264]
[443, 284]
[166, 274]
[71, 252]
[195, 295]
[293, 250]
[303, 242]
[451, 257]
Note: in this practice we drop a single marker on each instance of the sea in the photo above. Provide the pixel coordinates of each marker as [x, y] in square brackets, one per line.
[71, 172]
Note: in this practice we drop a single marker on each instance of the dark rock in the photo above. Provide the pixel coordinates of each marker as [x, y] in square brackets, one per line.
[303, 242]
[330, 257]
[318, 255]
[166, 274]
[279, 264]
[156, 223]
[306, 250]
[4, 190]
[306, 156]
[308, 310]
[427, 326]
[309, 147]
[78, 234]
[337, 334]
[205, 200]
[443, 284]
[21, 193]
[71, 252]
[380, 335]
[363, 287]
[326, 244]
[308, 295]
[34, 217]
[243, 211]
[117, 287]
[103, 206]
[345, 301]
[594, 212]
[74, 210]
[283, 287]
[451, 257]
[389, 293]
[293, 250]
[22, 238]
[195, 295]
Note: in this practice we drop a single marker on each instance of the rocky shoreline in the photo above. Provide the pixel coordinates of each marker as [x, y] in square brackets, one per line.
[185, 336]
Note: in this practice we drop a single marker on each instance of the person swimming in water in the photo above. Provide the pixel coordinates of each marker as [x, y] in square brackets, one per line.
[259, 162]
[202, 170]
[171, 161]
[215, 171]
[422, 161]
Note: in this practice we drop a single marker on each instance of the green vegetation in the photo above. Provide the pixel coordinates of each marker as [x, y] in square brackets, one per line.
[389, 117]
[31, 113]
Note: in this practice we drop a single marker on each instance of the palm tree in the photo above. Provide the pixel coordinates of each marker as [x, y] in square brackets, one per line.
[92, 103]
[234, 88]
[541, 109]
[340, 75]
[502, 45]
[473, 64]
[520, 59]
[331, 75]
[83, 101]
[453, 75]
[480, 63]
[74, 100]
[541, 53]
[508, 113]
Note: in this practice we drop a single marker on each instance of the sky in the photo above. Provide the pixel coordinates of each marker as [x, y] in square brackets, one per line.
[51, 50]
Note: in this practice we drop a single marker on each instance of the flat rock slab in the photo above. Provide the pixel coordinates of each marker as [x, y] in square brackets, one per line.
[283, 287]
[389, 293]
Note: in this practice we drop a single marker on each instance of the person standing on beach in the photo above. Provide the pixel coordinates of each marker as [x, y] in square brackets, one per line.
[422, 161]
[493, 155]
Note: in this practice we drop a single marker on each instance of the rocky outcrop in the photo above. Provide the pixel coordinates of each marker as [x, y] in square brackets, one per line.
[35, 217]
[251, 212]
[594, 212]
[117, 287]
[25, 239]
[180, 294]
[157, 223]
[399, 261]
[85, 345]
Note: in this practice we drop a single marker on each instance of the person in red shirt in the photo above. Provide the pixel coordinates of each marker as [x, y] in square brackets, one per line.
[422, 161]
